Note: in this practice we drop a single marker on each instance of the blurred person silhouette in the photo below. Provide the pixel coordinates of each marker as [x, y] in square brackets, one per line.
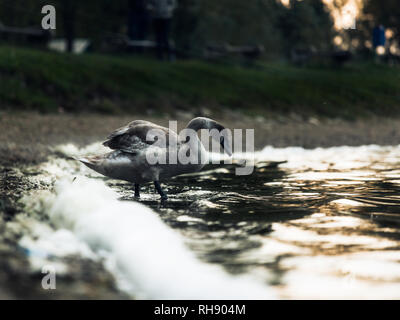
[379, 42]
[162, 13]
[378, 36]
[138, 20]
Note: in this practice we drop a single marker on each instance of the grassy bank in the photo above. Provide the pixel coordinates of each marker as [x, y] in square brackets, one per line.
[36, 80]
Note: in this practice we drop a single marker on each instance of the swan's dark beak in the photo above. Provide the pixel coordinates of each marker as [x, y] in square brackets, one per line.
[225, 146]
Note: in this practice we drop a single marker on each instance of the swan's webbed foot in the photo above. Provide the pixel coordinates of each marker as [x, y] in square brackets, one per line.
[137, 190]
[160, 191]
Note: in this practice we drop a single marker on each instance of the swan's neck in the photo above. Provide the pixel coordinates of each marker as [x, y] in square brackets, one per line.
[195, 148]
[199, 123]
[193, 142]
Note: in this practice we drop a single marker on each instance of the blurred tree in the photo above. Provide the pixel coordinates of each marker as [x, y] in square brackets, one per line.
[385, 12]
[196, 23]
[302, 24]
[202, 22]
[20, 13]
[186, 18]
[307, 25]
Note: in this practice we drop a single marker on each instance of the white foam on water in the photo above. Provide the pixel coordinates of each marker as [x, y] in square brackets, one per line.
[150, 260]
[44, 244]
[70, 149]
[142, 249]
[318, 159]
[348, 202]
[341, 158]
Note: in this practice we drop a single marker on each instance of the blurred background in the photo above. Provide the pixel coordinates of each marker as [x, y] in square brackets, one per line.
[336, 57]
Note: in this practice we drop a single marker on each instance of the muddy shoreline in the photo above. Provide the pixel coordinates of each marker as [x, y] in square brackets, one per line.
[86, 280]
[27, 139]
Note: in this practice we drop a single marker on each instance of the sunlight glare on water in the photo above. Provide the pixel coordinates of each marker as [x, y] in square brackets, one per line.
[323, 224]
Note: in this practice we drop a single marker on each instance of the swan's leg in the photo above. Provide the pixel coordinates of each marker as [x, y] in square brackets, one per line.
[160, 191]
[137, 190]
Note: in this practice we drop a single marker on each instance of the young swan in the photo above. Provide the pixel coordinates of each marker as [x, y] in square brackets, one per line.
[132, 144]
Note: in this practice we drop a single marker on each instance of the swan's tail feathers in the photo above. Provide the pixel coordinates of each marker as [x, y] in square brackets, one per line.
[93, 162]
[72, 158]
[86, 161]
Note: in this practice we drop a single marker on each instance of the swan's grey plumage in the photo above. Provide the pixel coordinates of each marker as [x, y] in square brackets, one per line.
[134, 136]
[132, 142]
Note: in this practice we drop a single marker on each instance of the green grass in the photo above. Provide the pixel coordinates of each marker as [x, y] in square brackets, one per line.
[45, 81]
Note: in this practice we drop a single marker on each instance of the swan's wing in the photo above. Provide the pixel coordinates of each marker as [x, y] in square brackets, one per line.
[125, 129]
[139, 135]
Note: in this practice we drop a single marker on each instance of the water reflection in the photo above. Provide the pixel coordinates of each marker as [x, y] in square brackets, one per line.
[324, 224]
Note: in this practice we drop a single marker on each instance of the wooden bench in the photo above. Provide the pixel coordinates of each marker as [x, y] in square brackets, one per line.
[26, 34]
[119, 42]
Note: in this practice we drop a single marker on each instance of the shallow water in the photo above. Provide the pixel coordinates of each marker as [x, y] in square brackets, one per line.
[323, 224]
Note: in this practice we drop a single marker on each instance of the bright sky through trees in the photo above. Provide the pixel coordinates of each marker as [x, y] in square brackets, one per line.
[344, 12]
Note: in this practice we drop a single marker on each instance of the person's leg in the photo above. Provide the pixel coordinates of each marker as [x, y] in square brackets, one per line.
[162, 38]
[131, 26]
[158, 30]
[167, 28]
[144, 25]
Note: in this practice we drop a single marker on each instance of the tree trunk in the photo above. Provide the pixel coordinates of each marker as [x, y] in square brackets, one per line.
[69, 14]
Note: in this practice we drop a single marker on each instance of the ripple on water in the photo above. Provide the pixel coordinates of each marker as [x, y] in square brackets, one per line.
[323, 224]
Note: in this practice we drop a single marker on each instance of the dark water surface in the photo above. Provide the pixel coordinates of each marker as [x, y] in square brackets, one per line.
[322, 223]
[325, 224]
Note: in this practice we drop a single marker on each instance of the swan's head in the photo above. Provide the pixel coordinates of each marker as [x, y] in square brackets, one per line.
[217, 131]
